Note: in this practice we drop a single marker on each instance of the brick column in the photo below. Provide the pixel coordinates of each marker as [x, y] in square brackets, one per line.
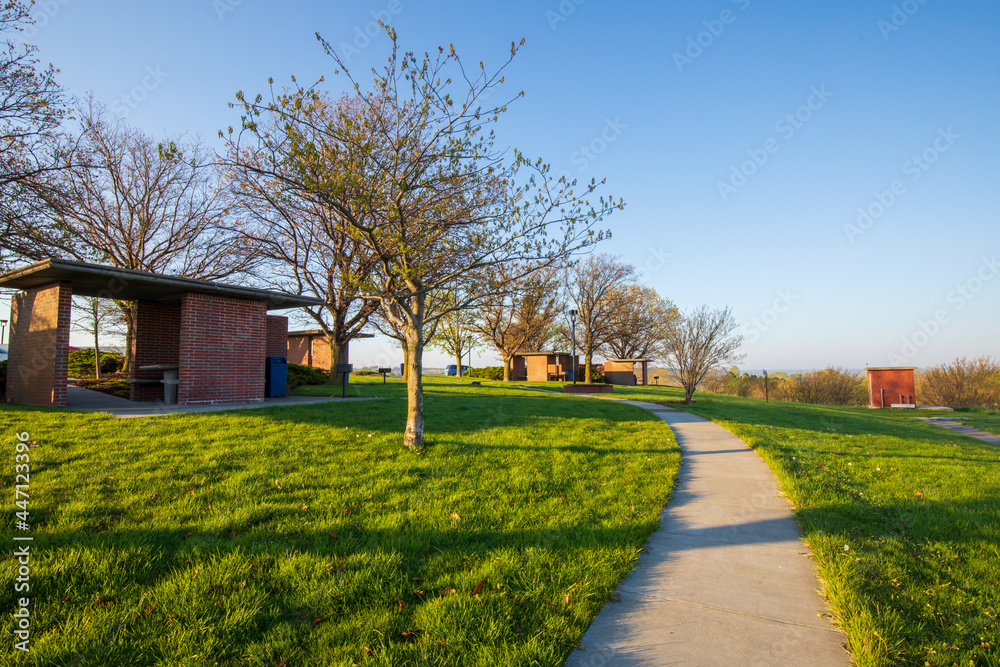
[38, 352]
[222, 347]
[277, 336]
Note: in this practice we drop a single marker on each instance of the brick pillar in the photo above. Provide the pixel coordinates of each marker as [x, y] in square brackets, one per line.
[39, 345]
[222, 347]
[277, 336]
[156, 340]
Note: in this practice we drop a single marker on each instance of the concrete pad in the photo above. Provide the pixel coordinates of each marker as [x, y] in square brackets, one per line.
[726, 579]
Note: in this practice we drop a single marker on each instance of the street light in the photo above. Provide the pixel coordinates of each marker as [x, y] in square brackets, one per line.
[765, 387]
[572, 319]
[3, 330]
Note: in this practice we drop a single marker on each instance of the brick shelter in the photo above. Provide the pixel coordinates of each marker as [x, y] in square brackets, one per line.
[622, 372]
[541, 366]
[892, 387]
[214, 336]
[312, 348]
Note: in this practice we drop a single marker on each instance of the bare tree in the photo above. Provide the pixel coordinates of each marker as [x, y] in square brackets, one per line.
[589, 286]
[703, 340]
[639, 322]
[141, 204]
[95, 317]
[32, 107]
[517, 316]
[411, 167]
[306, 247]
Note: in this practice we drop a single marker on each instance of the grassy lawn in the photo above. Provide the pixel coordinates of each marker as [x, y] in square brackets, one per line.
[903, 517]
[309, 536]
[988, 421]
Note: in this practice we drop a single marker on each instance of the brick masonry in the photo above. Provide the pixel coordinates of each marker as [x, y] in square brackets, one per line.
[898, 383]
[39, 345]
[157, 341]
[277, 336]
[222, 348]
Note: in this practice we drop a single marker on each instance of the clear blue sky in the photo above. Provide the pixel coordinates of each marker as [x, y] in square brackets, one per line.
[829, 102]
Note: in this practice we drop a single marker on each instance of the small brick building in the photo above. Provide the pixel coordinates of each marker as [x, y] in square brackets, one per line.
[313, 349]
[541, 367]
[622, 372]
[892, 387]
[216, 337]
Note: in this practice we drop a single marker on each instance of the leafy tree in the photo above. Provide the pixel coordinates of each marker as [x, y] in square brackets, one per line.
[455, 335]
[962, 383]
[517, 316]
[639, 322]
[590, 288]
[703, 340]
[410, 167]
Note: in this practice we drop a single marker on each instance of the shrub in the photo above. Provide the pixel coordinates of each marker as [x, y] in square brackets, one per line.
[486, 373]
[962, 383]
[596, 376]
[300, 375]
[366, 373]
[81, 362]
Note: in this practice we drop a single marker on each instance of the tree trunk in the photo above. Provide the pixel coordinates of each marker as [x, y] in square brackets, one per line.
[588, 362]
[406, 361]
[414, 435]
[97, 347]
[506, 369]
[458, 359]
[338, 355]
[688, 391]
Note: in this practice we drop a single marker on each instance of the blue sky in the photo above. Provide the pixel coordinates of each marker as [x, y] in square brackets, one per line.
[744, 136]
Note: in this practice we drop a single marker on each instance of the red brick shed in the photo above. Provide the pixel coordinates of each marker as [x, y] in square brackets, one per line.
[313, 349]
[891, 387]
[622, 371]
[215, 336]
[541, 366]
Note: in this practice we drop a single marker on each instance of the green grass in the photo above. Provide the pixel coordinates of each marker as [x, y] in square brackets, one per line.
[989, 422]
[309, 536]
[903, 518]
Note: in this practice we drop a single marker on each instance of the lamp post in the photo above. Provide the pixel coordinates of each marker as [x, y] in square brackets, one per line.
[3, 330]
[572, 319]
[765, 387]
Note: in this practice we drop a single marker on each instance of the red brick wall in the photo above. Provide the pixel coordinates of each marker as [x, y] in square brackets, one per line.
[222, 348]
[157, 341]
[39, 345]
[298, 350]
[896, 382]
[277, 336]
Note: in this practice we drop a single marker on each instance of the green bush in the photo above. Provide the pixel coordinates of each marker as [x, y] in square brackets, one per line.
[596, 376]
[486, 373]
[300, 375]
[81, 362]
[366, 373]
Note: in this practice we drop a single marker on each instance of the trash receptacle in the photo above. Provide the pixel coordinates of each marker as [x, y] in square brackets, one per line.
[275, 377]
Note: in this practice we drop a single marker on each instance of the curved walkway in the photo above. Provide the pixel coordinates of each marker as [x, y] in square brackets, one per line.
[726, 579]
[962, 429]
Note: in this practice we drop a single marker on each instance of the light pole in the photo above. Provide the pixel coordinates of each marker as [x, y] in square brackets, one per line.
[572, 319]
[3, 330]
[765, 387]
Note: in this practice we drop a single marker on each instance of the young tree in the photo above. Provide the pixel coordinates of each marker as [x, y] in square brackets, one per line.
[962, 383]
[454, 335]
[639, 322]
[140, 204]
[702, 341]
[411, 168]
[518, 316]
[589, 285]
[94, 317]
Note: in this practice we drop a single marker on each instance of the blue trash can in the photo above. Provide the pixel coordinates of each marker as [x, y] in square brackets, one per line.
[275, 377]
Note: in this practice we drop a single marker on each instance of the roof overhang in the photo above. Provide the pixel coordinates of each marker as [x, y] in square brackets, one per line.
[628, 361]
[890, 368]
[320, 332]
[130, 285]
[542, 354]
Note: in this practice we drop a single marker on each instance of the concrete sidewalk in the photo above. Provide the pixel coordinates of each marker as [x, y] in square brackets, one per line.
[726, 579]
[86, 400]
[962, 429]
